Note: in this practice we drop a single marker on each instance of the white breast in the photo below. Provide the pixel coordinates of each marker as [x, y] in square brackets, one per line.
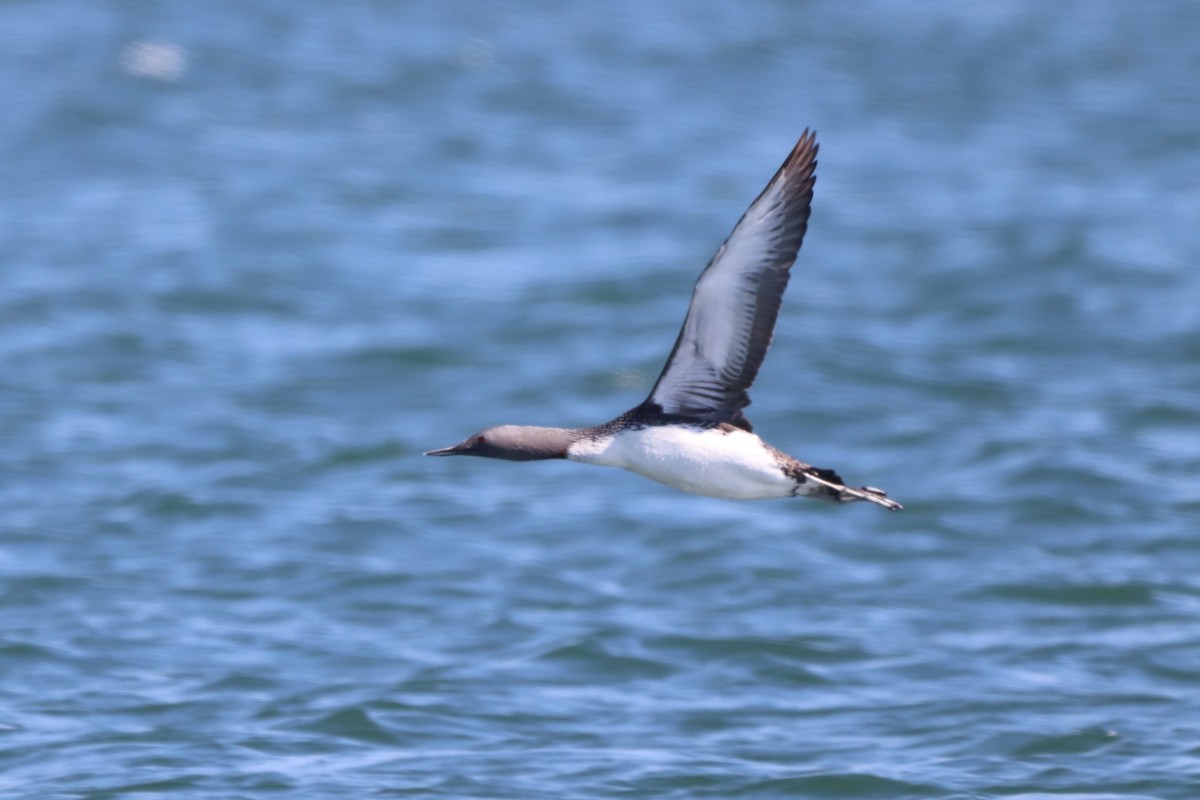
[709, 461]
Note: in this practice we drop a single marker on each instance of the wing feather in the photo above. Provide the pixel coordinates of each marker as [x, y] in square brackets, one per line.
[736, 300]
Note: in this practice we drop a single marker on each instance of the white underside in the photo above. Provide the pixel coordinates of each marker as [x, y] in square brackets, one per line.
[712, 462]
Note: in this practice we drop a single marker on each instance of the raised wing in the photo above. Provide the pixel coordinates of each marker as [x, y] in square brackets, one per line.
[736, 300]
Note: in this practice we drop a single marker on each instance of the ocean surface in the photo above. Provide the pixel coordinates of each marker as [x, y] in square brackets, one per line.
[256, 257]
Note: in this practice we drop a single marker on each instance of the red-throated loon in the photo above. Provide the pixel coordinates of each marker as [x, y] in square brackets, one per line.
[690, 432]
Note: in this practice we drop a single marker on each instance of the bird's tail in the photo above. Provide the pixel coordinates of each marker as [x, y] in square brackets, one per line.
[835, 490]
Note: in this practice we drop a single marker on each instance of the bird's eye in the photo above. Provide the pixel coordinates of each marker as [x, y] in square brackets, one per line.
[480, 439]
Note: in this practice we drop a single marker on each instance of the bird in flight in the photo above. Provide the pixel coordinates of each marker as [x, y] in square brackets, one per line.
[690, 433]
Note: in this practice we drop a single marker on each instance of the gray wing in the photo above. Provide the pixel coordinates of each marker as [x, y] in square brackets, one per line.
[736, 300]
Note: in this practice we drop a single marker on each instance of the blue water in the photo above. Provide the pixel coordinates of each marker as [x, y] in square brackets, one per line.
[255, 258]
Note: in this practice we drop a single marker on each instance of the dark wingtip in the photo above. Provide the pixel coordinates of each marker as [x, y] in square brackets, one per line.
[804, 154]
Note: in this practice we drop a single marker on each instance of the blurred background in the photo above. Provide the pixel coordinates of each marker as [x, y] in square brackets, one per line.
[255, 258]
